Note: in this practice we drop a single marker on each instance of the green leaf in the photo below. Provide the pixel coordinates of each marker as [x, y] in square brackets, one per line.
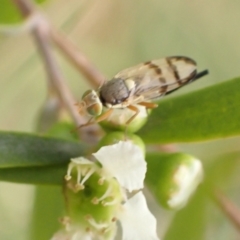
[223, 171]
[63, 130]
[9, 12]
[49, 175]
[190, 223]
[26, 150]
[208, 113]
[48, 208]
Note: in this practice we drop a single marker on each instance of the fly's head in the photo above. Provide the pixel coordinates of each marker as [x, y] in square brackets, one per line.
[91, 103]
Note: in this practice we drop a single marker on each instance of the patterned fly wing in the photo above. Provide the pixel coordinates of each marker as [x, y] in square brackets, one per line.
[159, 77]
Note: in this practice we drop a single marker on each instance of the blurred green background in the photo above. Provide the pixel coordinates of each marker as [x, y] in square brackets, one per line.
[115, 35]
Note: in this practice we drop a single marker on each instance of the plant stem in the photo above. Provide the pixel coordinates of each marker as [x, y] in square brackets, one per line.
[41, 33]
[228, 207]
[82, 64]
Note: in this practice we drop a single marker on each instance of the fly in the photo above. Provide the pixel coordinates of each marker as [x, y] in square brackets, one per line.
[139, 85]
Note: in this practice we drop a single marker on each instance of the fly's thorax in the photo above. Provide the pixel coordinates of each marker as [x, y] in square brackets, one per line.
[116, 91]
[92, 103]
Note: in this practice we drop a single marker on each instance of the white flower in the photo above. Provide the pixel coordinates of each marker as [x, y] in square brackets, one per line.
[137, 221]
[125, 162]
[100, 197]
[74, 234]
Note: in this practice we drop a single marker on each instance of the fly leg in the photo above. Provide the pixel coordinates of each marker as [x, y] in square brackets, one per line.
[136, 110]
[100, 118]
[148, 105]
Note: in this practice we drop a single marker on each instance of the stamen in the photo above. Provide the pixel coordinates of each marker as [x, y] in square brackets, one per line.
[87, 217]
[98, 226]
[95, 201]
[78, 175]
[67, 177]
[106, 194]
[78, 187]
[69, 171]
[88, 175]
[84, 169]
[101, 181]
[114, 201]
[108, 203]
[66, 222]
[105, 230]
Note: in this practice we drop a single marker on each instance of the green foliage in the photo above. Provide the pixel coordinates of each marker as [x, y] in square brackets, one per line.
[9, 13]
[26, 150]
[164, 29]
[48, 207]
[26, 158]
[49, 175]
[190, 222]
[208, 113]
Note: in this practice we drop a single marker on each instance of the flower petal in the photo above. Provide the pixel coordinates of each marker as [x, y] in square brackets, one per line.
[137, 221]
[72, 235]
[124, 161]
[82, 160]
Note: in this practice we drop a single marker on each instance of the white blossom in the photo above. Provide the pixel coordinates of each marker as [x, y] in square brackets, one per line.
[74, 234]
[123, 170]
[125, 162]
[137, 221]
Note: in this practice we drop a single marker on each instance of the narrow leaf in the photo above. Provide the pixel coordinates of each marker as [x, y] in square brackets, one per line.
[208, 113]
[47, 175]
[9, 12]
[48, 208]
[190, 222]
[26, 150]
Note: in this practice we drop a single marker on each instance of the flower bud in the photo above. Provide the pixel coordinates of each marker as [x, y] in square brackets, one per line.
[119, 117]
[114, 137]
[174, 178]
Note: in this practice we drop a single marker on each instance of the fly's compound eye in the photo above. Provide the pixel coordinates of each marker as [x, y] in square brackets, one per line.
[92, 102]
[95, 109]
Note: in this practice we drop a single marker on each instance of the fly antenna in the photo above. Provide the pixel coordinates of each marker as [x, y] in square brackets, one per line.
[81, 107]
